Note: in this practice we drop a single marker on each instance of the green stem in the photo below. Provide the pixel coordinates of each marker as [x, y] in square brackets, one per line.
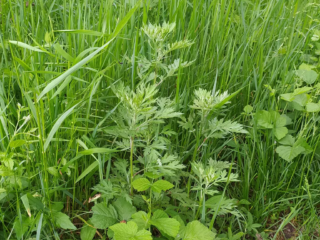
[131, 164]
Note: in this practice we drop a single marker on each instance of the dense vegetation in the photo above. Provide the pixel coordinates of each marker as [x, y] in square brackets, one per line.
[159, 119]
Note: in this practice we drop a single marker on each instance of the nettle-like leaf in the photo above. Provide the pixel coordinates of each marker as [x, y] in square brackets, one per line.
[87, 232]
[105, 188]
[63, 221]
[143, 184]
[124, 209]
[129, 231]
[272, 120]
[103, 216]
[163, 223]
[161, 185]
[196, 231]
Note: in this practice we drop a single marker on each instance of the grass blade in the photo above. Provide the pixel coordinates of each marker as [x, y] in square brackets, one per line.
[57, 125]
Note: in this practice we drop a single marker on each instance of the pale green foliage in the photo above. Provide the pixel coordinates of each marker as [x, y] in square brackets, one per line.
[219, 128]
[272, 120]
[148, 69]
[87, 232]
[139, 111]
[103, 216]
[212, 175]
[207, 102]
[292, 148]
[143, 184]
[129, 231]
[158, 33]
[63, 221]
[196, 231]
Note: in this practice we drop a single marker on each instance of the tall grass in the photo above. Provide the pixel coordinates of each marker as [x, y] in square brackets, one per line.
[238, 44]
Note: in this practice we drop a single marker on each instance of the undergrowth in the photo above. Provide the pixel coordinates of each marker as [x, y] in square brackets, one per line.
[159, 119]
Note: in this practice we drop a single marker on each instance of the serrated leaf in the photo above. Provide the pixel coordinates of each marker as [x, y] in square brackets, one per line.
[287, 140]
[162, 222]
[129, 231]
[124, 209]
[141, 184]
[103, 216]
[313, 107]
[309, 76]
[197, 231]
[87, 232]
[141, 219]
[264, 119]
[161, 185]
[288, 153]
[63, 221]
[280, 132]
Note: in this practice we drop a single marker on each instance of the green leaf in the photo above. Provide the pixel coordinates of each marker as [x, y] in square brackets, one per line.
[273, 120]
[288, 153]
[227, 99]
[197, 231]
[309, 76]
[141, 184]
[93, 166]
[162, 222]
[87, 232]
[17, 143]
[264, 119]
[26, 46]
[62, 52]
[97, 150]
[5, 172]
[57, 125]
[62, 86]
[124, 209]
[248, 109]
[103, 216]
[26, 204]
[129, 231]
[21, 227]
[287, 140]
[161, 185]
[63, 221]
[313, 107]
[53, 171]
[141, 219]
[280, 132]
